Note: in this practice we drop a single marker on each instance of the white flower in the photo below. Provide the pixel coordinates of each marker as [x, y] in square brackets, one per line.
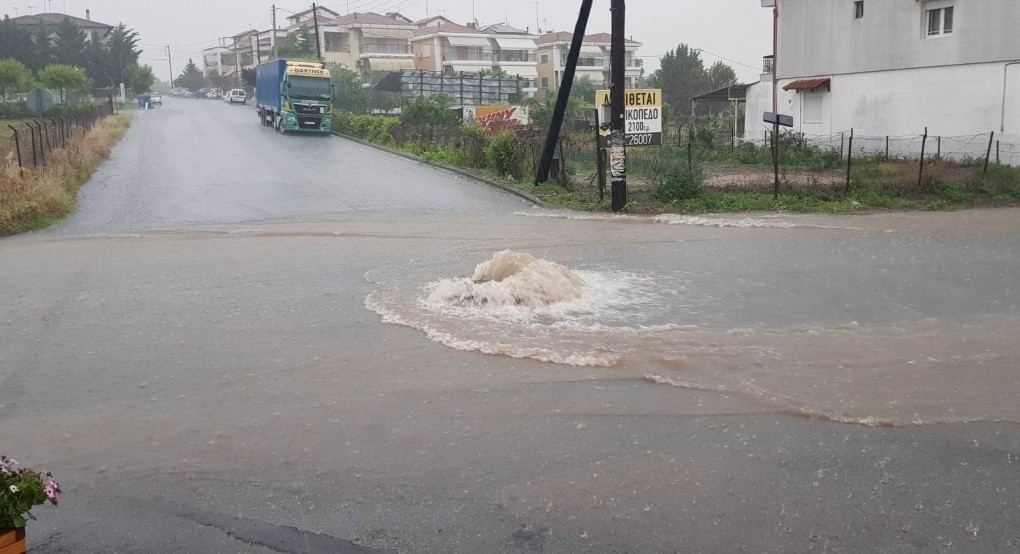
[14, 489]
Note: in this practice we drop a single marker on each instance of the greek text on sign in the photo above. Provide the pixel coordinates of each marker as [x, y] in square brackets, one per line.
[643, 116]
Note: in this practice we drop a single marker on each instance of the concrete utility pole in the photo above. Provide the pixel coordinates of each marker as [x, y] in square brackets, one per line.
[272, 39]
[775, 97]
[564, 93]
[617, 97]
[171, 60]
[315, 19]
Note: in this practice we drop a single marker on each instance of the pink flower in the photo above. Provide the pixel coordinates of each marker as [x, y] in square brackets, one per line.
[52, 491]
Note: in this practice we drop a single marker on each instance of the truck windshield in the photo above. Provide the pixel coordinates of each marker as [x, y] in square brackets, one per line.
[309, 88]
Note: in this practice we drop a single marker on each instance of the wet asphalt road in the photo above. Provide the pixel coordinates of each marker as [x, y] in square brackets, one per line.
[202, 163]
[191, 355]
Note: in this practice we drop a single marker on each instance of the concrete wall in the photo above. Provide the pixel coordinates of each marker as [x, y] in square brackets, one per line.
[822, 37]
[952, 101]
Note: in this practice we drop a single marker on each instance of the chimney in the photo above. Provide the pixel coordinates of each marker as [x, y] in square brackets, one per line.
[471, 25]
[88, 15]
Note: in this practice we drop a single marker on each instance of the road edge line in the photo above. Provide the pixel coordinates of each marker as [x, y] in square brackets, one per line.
[453, 169]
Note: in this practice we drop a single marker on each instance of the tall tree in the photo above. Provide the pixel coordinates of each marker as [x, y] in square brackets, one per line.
[722, 75]
[64, 77]
[681, 76]
[14, 77]
[349, 95]
[139, 78]
[585, 89]
[299, 45]
[69, 44]
[41, 49]
[122, 51]
[15, 41]
[192, 77]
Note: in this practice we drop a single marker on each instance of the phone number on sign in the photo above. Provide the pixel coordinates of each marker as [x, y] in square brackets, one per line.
[644, 139]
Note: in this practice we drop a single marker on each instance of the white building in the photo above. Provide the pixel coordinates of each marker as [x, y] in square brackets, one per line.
[886, 67]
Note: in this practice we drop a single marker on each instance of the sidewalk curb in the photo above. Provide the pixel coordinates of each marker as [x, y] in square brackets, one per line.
[453, 169]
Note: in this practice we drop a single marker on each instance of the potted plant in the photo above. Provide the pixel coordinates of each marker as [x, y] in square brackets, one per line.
[21, 490]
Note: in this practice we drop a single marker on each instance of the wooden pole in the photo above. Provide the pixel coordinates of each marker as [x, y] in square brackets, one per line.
[618, 91]
[563, 95]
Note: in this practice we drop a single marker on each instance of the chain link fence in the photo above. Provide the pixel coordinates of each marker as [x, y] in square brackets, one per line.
[29, 143]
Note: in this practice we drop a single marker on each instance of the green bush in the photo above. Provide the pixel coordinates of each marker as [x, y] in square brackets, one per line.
[13, 110]
[373, 128]
[679, 186]
[431, 110]
[501, 155]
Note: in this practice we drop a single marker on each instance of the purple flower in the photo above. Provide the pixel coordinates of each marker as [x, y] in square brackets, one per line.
[52, 491]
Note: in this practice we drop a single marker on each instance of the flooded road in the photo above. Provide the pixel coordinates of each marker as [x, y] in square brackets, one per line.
[351, 380]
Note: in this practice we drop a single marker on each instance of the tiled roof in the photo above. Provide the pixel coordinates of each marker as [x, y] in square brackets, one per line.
[447, 28]
[56, 19]
[368, 18]
[808, 84]
[563, 36]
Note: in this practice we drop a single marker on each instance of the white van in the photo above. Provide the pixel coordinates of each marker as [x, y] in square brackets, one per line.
[235, 95]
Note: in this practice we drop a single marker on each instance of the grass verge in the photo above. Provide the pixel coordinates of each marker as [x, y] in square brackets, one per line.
[37, 198]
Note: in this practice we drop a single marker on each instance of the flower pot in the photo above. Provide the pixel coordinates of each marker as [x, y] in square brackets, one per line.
[13, 542]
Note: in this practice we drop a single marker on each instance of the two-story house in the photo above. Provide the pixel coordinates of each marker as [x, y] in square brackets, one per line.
[887, 67]
[369, 43]
[443, 46]
[593, 62]
[94, 31]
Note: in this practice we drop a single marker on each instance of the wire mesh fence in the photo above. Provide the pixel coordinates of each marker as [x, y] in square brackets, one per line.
[29, 143]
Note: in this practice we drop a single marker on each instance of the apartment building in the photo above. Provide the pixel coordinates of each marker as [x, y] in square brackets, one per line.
[593, 62]
[371, 44]
[94, 30]
[443, 46]
[894, 68]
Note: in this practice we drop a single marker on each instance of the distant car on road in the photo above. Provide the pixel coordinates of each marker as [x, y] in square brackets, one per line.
[155, 98]
[236, 95]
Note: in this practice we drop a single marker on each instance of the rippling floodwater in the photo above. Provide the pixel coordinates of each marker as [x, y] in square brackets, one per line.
[650, 325]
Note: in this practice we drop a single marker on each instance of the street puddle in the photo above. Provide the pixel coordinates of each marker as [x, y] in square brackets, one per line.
[646, 326]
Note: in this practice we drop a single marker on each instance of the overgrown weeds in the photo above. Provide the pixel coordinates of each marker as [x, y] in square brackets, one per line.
[35, 198]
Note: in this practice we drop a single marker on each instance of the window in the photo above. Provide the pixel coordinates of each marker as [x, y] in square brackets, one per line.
[813, 107]
[859, 9]
[545, 82]
[545, 58]
[939, 21]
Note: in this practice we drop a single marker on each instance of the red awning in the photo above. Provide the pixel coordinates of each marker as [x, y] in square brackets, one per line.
[809, 84]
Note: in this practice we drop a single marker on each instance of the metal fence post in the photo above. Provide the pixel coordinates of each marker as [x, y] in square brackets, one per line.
[938, 152]
[887, 147]
[988, 155]
[842, 142]
[35, 159]
[998, 160]
[849, 159]
[920, 173]
[17, 149]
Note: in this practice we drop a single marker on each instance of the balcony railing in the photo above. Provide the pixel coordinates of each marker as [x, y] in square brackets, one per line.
[513, 56]
[460, 56]
[587, 61]
[387, 49]
[768, 64]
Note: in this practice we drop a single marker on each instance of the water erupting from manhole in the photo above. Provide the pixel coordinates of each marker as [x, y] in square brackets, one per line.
[509, 279]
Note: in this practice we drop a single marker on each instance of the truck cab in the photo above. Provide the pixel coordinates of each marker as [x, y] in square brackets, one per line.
[295, 96]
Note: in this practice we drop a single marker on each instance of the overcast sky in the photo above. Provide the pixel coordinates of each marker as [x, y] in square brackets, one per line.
[739, 30]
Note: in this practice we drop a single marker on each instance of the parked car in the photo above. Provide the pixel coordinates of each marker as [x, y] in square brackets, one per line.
[188, 94]
[214, 94]
[236, 95]
[155, 98]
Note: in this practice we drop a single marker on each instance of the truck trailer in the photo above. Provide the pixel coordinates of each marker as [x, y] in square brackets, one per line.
[295, 96]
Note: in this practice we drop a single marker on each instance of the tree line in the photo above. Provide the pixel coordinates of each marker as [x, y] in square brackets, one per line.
[62, 57]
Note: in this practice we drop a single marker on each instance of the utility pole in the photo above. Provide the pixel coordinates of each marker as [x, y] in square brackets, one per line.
[272, 39]
[171, 60]
[553, 138]
[315, 19]
[775, 97]
[617, 97]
